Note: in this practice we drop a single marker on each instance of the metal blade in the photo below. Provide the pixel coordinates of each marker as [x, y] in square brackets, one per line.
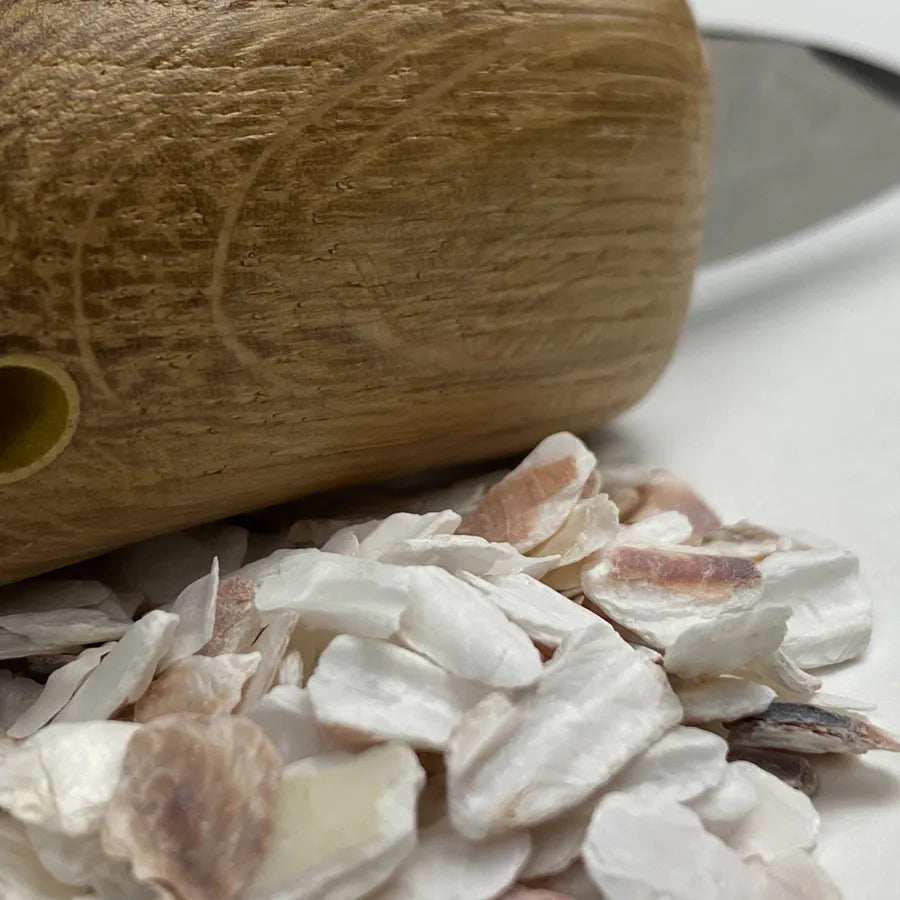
[800, 137]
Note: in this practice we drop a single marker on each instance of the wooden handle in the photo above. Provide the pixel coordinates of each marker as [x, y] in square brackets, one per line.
[285, 246]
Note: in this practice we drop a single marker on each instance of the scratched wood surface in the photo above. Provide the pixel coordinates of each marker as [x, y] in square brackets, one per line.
[282, 246]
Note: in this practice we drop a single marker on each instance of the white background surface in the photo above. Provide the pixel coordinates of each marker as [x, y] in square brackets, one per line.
[782, 405]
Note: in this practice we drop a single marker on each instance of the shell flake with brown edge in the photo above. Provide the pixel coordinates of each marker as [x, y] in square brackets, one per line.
[532, 502]
[195, 806]
[805, 728]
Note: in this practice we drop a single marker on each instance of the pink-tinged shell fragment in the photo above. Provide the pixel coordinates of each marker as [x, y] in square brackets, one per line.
[371, 691]
[532, 502]
[207, 685]
[446, 865]
[342, 827]
[659, 592]
[599, 699]
[653, 847]
[237, 621]
[663, 491]
[195, 807]
[125, 672]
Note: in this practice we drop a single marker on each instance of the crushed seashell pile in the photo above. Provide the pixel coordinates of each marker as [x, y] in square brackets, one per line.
[559, 684]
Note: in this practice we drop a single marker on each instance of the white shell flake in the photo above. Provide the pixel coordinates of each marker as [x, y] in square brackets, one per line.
[59, 689]
[599, 700]
[17, 694]
[723, 807]
[341, 830]
[22, 877]
[722, 699]
[660, 529]
[556, 844]
[49, 595]
[287, 717]
[797, 876]
[445, 866]
[640, 847]
[592, 524]
[459, 628]
[544, 614]
[782, 820]
[467, 553]
[728, 643]
[369, 690]
[681, 765]
[80, 860]
[530, 503]
[62, 777]
[332, 592]
[125, 672]
[65, 627]
[270, 647]
[405, 526]
[196, 611]
[831, 618]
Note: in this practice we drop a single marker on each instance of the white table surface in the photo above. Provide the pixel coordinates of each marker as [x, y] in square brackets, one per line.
[782, 405]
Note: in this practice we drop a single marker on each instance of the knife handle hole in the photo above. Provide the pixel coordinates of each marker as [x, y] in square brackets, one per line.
[39, 409]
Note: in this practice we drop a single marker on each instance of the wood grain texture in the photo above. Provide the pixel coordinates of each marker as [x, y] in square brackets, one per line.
[282, 246]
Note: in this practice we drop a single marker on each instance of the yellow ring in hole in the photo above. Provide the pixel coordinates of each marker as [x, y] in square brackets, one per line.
[39, 409]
